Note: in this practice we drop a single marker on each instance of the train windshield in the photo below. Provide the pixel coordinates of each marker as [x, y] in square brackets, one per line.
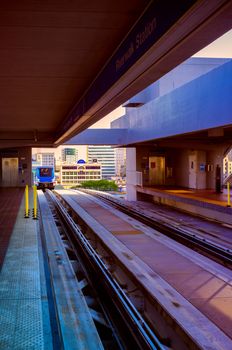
[45, 172]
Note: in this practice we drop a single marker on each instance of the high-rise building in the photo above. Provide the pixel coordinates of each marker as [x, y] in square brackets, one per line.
[44, 159]
[105, 155]
[120, 154]
[69, 155]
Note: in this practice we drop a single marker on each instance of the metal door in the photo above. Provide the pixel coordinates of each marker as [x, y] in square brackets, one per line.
[9, 172]
[192, 171]
[156, 170]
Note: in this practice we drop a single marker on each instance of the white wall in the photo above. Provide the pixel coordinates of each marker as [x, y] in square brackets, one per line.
[201, 174]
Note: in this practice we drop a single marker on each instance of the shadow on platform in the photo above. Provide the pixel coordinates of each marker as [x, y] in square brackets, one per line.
[204, 203]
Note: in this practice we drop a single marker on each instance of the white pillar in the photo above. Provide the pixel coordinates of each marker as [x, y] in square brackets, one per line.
[131, 174]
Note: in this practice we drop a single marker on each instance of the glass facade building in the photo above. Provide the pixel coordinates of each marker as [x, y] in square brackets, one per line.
[69, 155]
[105, 155]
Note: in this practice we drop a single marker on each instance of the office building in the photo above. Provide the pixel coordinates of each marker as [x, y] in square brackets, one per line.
[74, 174]
[69, 155]
[105, 155]
[120, 154]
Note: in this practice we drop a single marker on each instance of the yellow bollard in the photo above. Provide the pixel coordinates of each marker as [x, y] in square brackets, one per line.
[228, 194]
[26, 202]
[35, 202]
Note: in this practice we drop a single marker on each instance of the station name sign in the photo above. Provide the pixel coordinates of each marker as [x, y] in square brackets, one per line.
[140, 39]
[158, 18]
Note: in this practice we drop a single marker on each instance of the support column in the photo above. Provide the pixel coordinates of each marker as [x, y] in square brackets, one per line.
[215, 168]
[131, 174]
[25, 166]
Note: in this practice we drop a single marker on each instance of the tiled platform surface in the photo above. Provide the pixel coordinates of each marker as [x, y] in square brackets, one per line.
[41, 303]
[10, 200]
[206, 203]
[204, 283]
[23, 300]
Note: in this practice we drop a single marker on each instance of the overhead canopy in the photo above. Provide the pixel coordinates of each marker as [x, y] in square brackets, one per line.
[55, 56]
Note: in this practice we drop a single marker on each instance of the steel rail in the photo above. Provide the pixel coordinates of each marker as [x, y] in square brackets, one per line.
[221, 254]
[142, 333]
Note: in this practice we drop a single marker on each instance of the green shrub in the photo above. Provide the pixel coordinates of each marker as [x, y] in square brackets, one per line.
[101, 185]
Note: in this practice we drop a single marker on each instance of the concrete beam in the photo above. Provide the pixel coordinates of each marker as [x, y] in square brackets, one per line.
[201, 24]
[204, 103]
[114, 137]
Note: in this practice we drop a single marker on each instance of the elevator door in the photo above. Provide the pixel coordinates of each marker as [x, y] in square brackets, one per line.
[156, 170]
[192, 171]
[9, 172]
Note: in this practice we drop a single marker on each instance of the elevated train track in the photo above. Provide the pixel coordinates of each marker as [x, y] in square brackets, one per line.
[156, 305]
[197, 242]
[117, 313]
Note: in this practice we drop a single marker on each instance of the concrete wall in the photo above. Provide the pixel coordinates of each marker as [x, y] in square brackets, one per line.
[181, 168]
[146, 95]
[201, 169]
[176, 165]
[201, 104]
[187, 71]
[99, 137]
[24, 174]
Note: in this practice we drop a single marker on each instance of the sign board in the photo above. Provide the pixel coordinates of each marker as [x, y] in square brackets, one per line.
[156, 21]
[202, 167]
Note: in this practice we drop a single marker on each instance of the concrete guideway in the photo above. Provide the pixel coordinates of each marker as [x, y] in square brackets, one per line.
[216, 231]
[145, 255]
[75, 321]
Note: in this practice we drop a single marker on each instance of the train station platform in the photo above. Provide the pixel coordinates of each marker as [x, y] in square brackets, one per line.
[24, 320]
[203, 203]
[39, 311]
[10, 200]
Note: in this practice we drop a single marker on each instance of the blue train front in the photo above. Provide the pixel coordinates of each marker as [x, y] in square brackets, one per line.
[45, 177]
